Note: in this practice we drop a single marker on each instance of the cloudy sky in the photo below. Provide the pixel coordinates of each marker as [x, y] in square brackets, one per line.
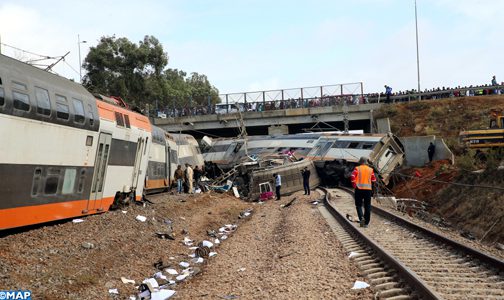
[250, 45]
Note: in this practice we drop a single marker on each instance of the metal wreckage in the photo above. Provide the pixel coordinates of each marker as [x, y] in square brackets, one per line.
[248, 163]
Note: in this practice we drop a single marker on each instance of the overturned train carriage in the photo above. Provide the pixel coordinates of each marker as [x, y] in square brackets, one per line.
[336, 156]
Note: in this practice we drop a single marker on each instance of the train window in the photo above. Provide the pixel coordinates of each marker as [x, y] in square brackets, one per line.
[52, 181]
[90, 115]
[119, 119]
[43, 103]
[2, 97]
[82, 179]
[69, 181]
[0, 80]
[368, 145]
[62, 110]
[37, 178]
[353, 145]
[21, 101]
[19, 86]
[145, 145]
[79, 116]
[127, 121]
[89, 140]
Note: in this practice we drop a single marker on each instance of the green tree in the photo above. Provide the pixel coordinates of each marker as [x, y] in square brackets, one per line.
[116, 66]
[138, 73]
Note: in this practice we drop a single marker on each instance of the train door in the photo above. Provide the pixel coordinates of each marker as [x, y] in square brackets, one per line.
[141, 145]
[167, 165]
[100, 172]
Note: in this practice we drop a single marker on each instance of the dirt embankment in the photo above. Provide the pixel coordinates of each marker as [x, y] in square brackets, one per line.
[53, 263]
[474, 208]
[277, 253]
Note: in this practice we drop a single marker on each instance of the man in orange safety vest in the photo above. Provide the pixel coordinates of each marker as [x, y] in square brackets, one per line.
[362, 180]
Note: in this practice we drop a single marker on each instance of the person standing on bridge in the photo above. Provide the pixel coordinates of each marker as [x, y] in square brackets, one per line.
[362, 180]
[388, 93]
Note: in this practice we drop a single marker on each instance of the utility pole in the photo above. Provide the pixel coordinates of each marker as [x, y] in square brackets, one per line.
[80, 62]
[417, 53]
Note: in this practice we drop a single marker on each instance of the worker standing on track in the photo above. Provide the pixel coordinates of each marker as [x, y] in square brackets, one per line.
[362, 180]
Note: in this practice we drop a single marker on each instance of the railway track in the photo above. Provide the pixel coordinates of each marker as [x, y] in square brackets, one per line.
[405, 261]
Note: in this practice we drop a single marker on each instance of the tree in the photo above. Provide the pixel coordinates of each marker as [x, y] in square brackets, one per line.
[138, 73]
[119, 67]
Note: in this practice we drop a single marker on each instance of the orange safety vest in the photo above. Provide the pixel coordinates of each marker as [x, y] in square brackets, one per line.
[364, 178]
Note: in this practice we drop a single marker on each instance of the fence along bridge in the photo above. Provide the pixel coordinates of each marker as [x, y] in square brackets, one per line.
[275, 111]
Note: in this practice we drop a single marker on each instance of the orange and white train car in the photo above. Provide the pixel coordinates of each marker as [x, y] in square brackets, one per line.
[64, 152]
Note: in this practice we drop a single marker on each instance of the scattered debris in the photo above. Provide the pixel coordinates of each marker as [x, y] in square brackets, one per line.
[113, 291]
[171, 271]
[124, 211]
[352, 254]
[245, 213]
[206, 244]
[316, 203]
[198, 260]
[162, 294]
[141, 218]
[467, 235]
[241, 269]
[499, 246]
[160, 275]
[184, 264]
[188, 241]
[230, 297]
[87, 245]
[181, 277]
[212, 254]
[185, 231]
[290, 202]
[126, 281]
[77, 221]
[211, 233]
[165, 236]
[360, 285]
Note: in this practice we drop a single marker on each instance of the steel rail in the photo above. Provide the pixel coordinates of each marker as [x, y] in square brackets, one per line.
[488, 259]
[406, 274]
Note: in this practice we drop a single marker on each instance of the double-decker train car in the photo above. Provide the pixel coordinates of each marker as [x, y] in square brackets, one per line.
[64, 153]
[188, 150]
[163, 161]
[336, 155]
[226, 152]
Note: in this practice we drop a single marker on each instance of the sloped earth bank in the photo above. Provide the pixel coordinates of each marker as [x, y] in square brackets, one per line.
[287, 253]
[52, 262]
[281, 253]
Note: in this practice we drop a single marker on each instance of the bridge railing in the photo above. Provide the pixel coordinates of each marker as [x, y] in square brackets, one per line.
[276, 100]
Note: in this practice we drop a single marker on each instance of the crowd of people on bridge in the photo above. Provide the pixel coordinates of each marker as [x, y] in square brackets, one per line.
[387, 96]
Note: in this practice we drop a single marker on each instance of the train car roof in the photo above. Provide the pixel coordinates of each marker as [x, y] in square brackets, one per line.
[19, 69]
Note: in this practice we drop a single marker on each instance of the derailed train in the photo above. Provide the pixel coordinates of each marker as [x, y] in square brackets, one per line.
[334, 154]
[67, 153]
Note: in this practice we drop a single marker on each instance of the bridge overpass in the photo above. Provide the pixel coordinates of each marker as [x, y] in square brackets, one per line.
[282, 121]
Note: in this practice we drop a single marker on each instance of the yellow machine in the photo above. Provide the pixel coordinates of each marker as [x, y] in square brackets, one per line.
[486, 138]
